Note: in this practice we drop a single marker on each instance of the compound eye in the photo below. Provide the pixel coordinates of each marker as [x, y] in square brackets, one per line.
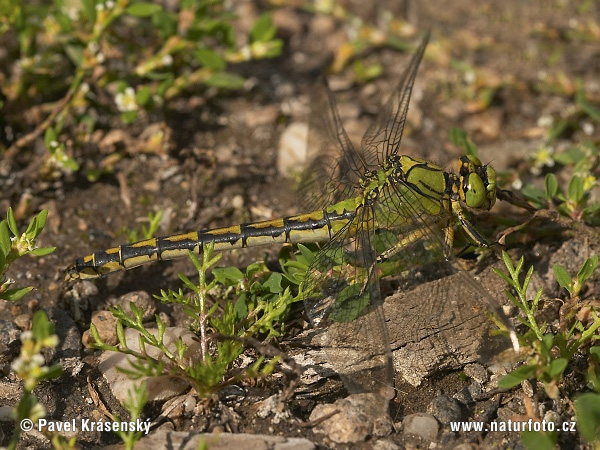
[475, 192]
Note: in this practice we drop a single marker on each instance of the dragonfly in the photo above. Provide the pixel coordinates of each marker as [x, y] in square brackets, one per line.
[374, 210]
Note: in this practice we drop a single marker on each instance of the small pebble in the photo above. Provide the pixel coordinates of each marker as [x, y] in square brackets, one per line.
[445, 409]
[422, 425]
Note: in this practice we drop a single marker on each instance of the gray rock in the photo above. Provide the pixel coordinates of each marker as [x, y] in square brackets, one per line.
[106, 324]
[79, 295]
[141, 299]
[427, 338]
[291, 153]
[477, 372]
[384, 444]
[446, 409]
[354, 419]
[422, 425]
[68, 334]
[182, 440]
[159, 388]
[467, 394]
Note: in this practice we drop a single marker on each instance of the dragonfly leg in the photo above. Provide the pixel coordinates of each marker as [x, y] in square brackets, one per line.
[448, 240]
[466, 225]
[413, 236]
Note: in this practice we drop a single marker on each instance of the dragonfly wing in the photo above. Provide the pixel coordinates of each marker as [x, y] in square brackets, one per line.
[440, 325]
[439, 322]
[334, 166]
[383, 137]
[341, 295]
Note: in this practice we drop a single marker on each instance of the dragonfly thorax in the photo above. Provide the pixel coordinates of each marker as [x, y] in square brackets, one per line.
[476, 183]
[370, 184]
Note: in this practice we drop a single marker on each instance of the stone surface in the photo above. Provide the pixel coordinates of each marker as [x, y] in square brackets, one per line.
[68, 334]
[477, 372]
[291, 153]
[159, 388]
[446, 409]
[466, 394]
[428, 337]
[140, 299]
[422, 425]
[106, 324]
[358, 417]
[384, 444]
[221, 441]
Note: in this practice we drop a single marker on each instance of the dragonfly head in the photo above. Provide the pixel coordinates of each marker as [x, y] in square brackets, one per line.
[477, 183]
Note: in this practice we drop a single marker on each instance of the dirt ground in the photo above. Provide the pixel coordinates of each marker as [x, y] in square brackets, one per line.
[495, 69]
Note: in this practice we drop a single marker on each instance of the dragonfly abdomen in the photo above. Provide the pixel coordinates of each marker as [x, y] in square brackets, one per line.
[312, 227]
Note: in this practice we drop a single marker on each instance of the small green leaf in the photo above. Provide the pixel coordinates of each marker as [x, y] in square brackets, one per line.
[273, 283]
[557, 367]
[41, 327]
[563, 277]
[89, 7]
[121, 334]
[263, 29]
[533, 193]
[29, 232]
[576, 189]
[589, 266]
[547, 343]
[586, 106]
[225, 80]
[4, 238]
[210, 59]
[587, 410]
[349, 304]
[143, 9]
[517, 376]
[15, 294]
[538, 440]
[551, 186]
[570, 156]
[40, 222]
[12, 223]
[94, 332]
[142, 95]
[595, 353]
[75, 53]
[42, 251]
[241, 308]
[229, 276]
[307, 253]
[129, 116]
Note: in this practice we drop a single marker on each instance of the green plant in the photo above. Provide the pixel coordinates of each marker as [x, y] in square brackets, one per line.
[551, 353]
[137, 397]
[14, 245]
[148, 232]
[136, 54]
[263, 303]
[584, 159]
[587, 406]
[386, 31]
[30, 368]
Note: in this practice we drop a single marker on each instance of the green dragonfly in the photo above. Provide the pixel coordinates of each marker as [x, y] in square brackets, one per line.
[377, 212]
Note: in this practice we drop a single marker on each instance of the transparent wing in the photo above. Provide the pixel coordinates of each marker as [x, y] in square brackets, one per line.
[341, 295]
[439, 322]
[334, 167]
[385, 133]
